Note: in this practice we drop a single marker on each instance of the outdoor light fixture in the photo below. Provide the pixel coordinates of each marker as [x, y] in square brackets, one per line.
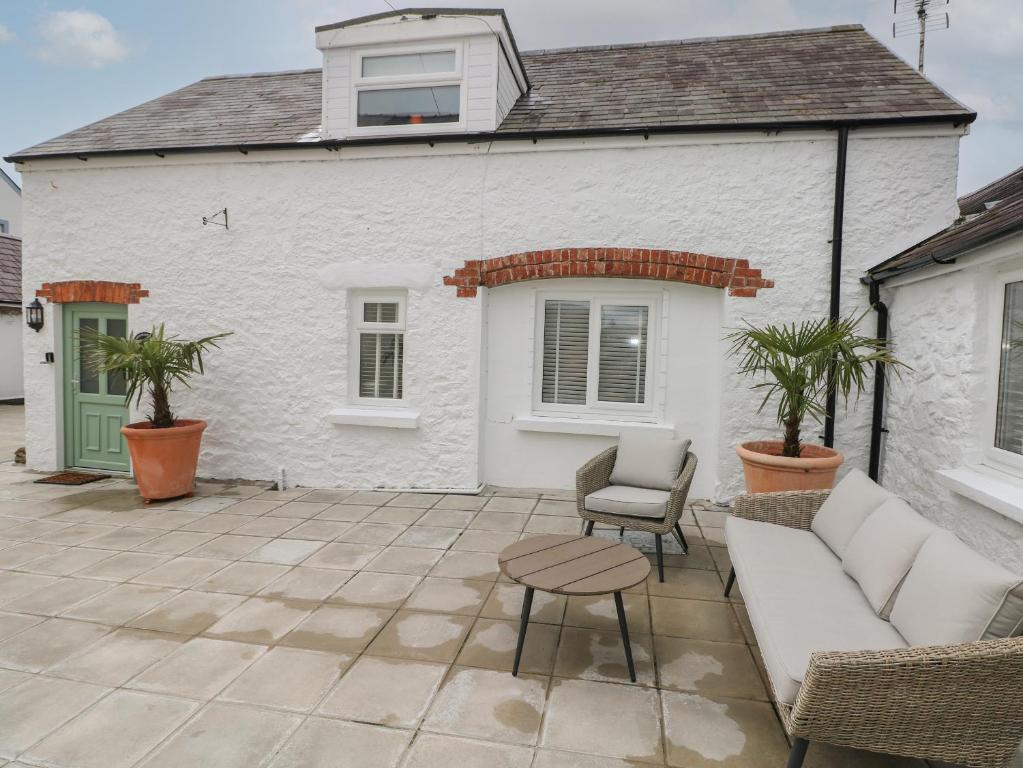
[34, 315]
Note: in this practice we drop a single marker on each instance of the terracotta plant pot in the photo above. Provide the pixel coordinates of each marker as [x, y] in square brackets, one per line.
[767, 470]
[164, 460]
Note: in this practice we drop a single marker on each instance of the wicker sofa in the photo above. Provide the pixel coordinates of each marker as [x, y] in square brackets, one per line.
[840, 669]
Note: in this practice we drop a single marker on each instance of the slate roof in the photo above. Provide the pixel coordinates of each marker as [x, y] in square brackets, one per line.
[989, 214]
[801, 78]
[10, 270]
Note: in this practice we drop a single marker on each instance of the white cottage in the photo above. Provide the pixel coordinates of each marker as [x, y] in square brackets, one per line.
[954, 423]
[447, 262]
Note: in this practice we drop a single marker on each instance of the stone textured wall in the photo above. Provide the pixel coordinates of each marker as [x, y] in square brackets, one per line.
[307, 226]
[936, 412]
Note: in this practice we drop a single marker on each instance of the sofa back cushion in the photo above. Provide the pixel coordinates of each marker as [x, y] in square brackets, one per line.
[881, 552]
[953, 595]
[848, 505]
[645, 462]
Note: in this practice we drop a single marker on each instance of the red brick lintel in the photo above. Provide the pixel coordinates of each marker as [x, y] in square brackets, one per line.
[643, 263]
[71, 291]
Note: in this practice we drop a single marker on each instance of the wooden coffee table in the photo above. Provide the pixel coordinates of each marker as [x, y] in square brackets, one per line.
[573, 565]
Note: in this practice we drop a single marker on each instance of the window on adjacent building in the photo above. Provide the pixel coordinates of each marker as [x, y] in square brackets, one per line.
[1008, 432]
[594, 354]
[378, 345]
[408, 88]
[5, 226]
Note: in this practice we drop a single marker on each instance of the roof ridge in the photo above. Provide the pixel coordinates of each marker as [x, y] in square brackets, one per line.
[9, 236]
[706, 39]
[990, 184]
[243, 75]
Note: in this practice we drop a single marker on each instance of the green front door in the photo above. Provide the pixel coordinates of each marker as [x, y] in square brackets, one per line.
[94, 407]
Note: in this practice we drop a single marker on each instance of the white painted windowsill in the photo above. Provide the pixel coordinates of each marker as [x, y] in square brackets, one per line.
[393, 418]
[605, 427]
[996, 490]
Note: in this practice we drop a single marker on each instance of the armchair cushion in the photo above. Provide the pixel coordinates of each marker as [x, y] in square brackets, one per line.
[954, 595]
[845, 509]
[881, 552]
[629, 501]
[644, 462]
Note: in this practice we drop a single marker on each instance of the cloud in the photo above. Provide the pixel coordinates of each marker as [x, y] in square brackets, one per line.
[5, 35]
[80, 39]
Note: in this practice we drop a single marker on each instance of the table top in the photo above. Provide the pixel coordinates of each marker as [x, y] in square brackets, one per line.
[573, 565]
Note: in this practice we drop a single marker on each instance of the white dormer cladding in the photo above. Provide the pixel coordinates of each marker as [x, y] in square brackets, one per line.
[418, 73]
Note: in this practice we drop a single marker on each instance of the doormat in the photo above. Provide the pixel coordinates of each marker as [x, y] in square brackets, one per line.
[72, 478]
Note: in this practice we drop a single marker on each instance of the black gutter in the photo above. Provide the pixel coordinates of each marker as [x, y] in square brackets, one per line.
[480, 137]
[835, 307]
[877, 429]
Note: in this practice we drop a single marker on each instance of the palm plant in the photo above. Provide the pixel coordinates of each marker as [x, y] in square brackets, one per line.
[151, 363]
[799, 360]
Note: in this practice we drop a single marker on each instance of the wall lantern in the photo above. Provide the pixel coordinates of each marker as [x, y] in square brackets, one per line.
[34, 315]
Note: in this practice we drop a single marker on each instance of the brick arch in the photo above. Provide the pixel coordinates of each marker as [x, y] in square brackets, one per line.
[72, 291]
[642, 263]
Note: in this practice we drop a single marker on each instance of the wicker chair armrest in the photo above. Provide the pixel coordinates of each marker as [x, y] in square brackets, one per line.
[680, 490]
[594, 475]
[794, 509]
[956, 703]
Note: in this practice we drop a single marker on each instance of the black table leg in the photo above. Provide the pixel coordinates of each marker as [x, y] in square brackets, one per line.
[625, 635]
[527, 605]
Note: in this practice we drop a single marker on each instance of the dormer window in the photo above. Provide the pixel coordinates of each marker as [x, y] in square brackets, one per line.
[407, 87]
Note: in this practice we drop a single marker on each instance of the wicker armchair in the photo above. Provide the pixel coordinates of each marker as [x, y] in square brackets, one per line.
[960, 704]
[596, 474]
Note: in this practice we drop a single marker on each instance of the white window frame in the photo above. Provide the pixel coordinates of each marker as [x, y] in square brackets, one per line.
[361, 83]
[644, 411]
[358, 326]
[997, 458]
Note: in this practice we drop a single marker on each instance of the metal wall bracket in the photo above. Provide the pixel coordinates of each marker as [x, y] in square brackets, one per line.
[211, 219]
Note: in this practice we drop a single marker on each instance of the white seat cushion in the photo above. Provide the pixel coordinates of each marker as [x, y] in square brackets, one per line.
[954, 595]
[648, 462]
[626, 500]
[845, 509]
[800, 601]
[881, 552]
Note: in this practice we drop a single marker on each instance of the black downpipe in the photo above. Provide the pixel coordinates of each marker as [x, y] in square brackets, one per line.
[835, 308]
[877, 429]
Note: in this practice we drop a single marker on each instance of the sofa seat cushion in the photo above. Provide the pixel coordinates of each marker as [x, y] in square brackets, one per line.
[800, 601]
[629, 501]
[953, 594]
[848, 505]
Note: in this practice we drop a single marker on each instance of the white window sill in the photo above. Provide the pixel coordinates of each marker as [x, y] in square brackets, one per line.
[605, 427]
[996, 490]
[393, 418]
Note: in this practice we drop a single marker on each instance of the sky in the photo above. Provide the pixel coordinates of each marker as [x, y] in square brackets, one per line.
[68, 64]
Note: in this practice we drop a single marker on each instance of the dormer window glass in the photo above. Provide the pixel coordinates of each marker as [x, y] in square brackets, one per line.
[401, 87]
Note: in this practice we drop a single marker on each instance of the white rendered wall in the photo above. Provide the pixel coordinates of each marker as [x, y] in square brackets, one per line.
[686, 378]
[10, 207]
[12, 384]
[308, 225]
[937, 412]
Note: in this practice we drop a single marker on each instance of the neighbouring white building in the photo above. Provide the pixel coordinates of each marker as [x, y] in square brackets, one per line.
[447, 262]
[954, 422]
[12, 388]
[10, 206]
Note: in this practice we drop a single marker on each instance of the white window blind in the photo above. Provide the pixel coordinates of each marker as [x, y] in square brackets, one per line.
[595, 354]
[1009, 414]
[566, 340]
[623, 352]
[381, 350]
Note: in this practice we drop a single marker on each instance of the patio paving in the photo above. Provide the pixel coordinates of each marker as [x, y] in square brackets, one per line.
[246, 627]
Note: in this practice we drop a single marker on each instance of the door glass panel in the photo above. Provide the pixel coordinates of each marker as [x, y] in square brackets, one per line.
[115, 381]
[88, 379]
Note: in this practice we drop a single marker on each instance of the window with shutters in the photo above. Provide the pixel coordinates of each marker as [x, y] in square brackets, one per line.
[378, 348]
[1006, 440]
[594, 356]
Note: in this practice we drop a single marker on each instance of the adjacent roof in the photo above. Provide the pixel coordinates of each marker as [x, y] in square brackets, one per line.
[10, 270]
[804, 78]
[991, 213]
[13, 184]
